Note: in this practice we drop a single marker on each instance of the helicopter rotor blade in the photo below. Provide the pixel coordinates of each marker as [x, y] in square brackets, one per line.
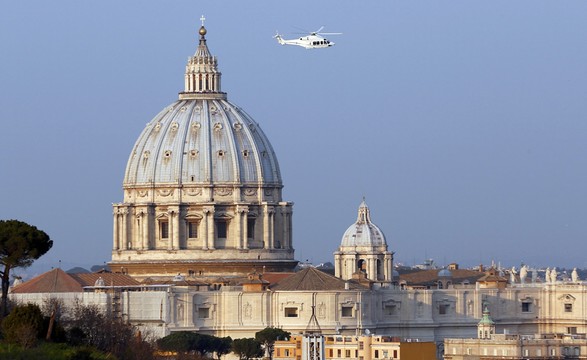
[329, 33]
[317, 31]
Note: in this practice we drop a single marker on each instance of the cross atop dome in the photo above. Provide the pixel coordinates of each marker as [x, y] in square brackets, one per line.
[202, 18]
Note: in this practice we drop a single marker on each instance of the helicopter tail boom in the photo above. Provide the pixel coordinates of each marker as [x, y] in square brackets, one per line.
[279, 38]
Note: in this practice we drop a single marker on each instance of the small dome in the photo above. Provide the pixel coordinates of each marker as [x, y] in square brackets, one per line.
[363, 232]
[444, 273]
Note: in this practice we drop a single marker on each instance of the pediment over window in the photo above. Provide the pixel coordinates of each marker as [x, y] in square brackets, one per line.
[567, 298]
[391, 302]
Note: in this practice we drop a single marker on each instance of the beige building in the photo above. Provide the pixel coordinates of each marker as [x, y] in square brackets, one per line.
[489, 345]
[363, 347]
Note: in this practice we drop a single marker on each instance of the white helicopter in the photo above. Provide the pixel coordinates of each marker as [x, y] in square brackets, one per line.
[314, 40]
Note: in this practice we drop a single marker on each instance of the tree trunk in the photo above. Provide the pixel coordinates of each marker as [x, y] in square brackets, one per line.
[5, 286]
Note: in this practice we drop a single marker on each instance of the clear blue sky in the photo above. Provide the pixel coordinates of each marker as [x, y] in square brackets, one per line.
[463, 123]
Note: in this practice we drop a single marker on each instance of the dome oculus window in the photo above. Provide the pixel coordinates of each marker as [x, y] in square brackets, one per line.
[167, 154]
[221, 153]
[246, 153]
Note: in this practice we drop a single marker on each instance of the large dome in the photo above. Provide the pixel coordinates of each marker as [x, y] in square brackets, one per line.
[202, 189]
[202, 141]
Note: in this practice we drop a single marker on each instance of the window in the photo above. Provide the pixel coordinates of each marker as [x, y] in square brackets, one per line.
[221, 229]
[164, 229]
[571, 330]
[347, 311]
[291, 312]
[390, 310]
[347, 353]
[553, 352]
[250, 228]
[568, 307]
[443, 309]
[204, 313]
[192, 229]
[526, 306]
[286, 352]
[395, 354]
[339, 353]
[526, 352]
[361, 345]
[376, 354]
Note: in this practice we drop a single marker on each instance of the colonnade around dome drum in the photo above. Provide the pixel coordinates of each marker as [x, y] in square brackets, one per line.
[202, 227]
[376, 265]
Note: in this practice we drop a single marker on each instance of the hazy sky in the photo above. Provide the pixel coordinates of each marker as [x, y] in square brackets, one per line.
[463, 123]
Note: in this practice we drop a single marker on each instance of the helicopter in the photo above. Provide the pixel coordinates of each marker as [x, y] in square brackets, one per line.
[313, 40]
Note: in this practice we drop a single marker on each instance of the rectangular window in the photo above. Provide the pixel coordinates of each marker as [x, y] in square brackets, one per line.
[571, 330]
[286, 352]
[204, 313]
[221, 229]
[526, 306]
[443, 309]
[192, 229]
[291, 312]
[347, 353]
[361, 345]
[330, 353]
[250, 228]
[376, 354]
[568, 307]
[390, 310]
[395, 354]
[347, 311]
[339, 353]
[164, 229]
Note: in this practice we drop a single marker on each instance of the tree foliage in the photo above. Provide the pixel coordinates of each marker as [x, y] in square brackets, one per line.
[23, 326]
[181, 342]
[247, 348]
[221, 346]
[90, 326]
[20, 245]
[185, 342]
[268, 336]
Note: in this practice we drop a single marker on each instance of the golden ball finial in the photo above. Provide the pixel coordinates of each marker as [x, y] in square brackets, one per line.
[203, 31]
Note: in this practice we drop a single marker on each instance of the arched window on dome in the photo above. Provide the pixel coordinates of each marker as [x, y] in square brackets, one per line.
[362, 266]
